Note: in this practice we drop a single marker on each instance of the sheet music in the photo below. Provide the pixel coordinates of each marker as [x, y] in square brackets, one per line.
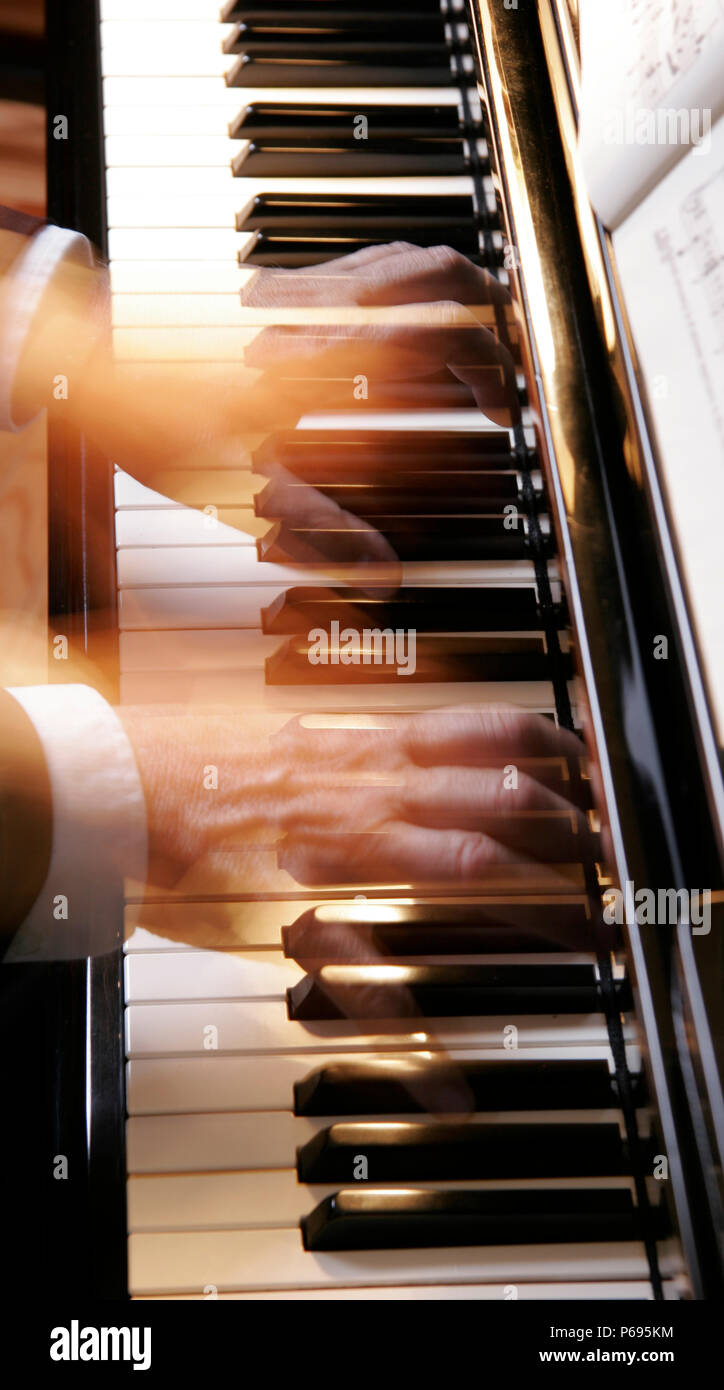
[652, 87]
[668, 37]
[670, 258]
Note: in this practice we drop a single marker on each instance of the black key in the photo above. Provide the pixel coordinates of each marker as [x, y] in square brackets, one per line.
[411, 1151]
[313, 11]
[309, 214]
[351, 932]
[439, 392]
[289, 158]
[447, 991]
[425, 610]
[343, 65]
[320, 124]
[452, 538]
[270, 36]
[290, 253]
[417, 494]
[397, 1086]
[293, 253]
[377, 660]
[371, 455]
[364, 1219]
[235, 11]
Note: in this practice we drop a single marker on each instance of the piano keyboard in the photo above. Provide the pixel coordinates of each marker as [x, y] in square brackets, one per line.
[277, 1146]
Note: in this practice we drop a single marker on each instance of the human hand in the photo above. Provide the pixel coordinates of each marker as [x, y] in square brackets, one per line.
[410, 801]
[414, 799]
[392, 314]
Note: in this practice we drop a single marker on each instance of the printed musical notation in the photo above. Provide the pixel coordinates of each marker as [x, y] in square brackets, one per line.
[690, 247]
[670, 259]
[668, 37]
[701, 218]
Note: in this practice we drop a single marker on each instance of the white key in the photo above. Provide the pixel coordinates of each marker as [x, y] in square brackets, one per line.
[225, 487]
[215, 1201]
[226, 1201]
[189, 1143]
[205, 650]
[244, 975]
[157, 341]
[622, 1291]
[225, 310]
[157, 310]
[238, 564]
[209, 975]
[197, 150]
[137, 203]
[256, 1140]
[172, 180]
[191, 118]
[139, 12]
[205, 275]
[187, 1262]
[158, 926]
[199, 180]
[129, 91]
[214, 607]
[185, 48]
[263, 1026]
[155, 926]
[187, 526]
[181, 243]
[236, 686]
[165, 1085]
[194, 651]
[247, 870]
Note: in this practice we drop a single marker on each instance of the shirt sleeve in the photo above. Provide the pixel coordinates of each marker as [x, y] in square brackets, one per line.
[23, 288]
[98, 825]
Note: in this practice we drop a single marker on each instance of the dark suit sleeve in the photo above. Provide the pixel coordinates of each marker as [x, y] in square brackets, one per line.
[26, 817]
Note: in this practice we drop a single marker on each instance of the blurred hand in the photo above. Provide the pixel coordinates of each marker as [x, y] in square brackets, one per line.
[419, 311]
[396, 314]
[421, 799]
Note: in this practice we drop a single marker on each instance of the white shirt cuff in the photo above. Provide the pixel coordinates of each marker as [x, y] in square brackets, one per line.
[22, 292]
[99, 825]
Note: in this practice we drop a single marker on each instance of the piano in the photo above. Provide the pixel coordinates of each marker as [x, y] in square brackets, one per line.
[205, 147]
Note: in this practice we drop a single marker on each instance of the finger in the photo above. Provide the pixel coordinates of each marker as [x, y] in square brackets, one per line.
[450, 736]
[527, 817]
[399, 273]
[297, 504]
[345, 540]
[412, 854]
[460, 736]
[495, 395]
[358, 260]
[421, 333]
[435, 337]
[415, 273]
[271, 287]
[526, 814]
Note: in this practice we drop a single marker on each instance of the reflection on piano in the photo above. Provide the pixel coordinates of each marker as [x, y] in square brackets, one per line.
[280, 1141]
